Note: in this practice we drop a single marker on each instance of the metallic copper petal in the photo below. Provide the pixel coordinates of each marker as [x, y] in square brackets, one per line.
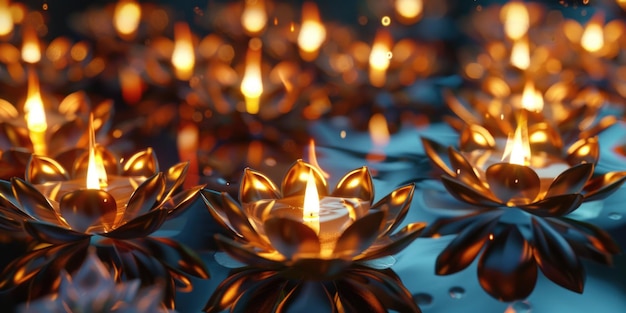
[239, 222]
[461, 110]
[556, 259]
[354, 296]
[42, 169]
[48, 233]
[13, 162]
[215, 204]
[247, 254]
[291, 238]
[255, 186]
[174, 178]
[454, 225]
[145, 197]
[463, 249]
[585, 150]
[308, 294]
[513, 184]
[7, 110]
[356, 184]
[396, 205]
[474, 137]
[600, 239]
[437, 153]
[263, 297]
[82, 209]
[507, 269]
[140, 226]
[466, 193]
[386, 286]
[554, 206]
[177, 204]
[8, 201]
[143, 163]
[76, 102]
[231, 288]
[294, 182]
[572, 180]
[360, 235]
[394, 243]
[102, 114]
[33, 202]
[465, 172]
[174, 255]
[543, 137]
[599, 127]
[13, 136]
[67, 136]
[602, 186]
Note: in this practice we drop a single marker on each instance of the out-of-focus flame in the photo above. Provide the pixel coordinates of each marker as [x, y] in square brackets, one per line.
[622, 4]
[520, 54]
[252, 83]
[409, 10]
[35, 115]
[517, 147]
[31, 52]
[96, 174]
[379, 130]
[6, 18]
[592, 39]
[311, 207]
[313, 159]
[187, 141]
[312, 32]
[131, 84]
[380, 58]
[516, 20]
[183, 57]
[532, 100]
[126, 18]
[254, 16]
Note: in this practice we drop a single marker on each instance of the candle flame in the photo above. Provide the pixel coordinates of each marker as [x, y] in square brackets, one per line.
[252, 84]
[409, 10]
[516, 20]
[254, 16]
[517, 147]
[592, 39]
[96, 174]
[312, 32]
[379, 58]
[379, 130]
[126, 17]
[311, 209]
[31, 53]
[6, 19]
[313, 159]
[183, 57]
[520, 54]
[532, 100]
[35, 115]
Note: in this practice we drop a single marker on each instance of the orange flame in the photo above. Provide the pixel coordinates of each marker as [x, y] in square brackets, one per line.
[532, 100]
[379, 130]
[126, 18]
[517, 147]
[520, 54]
[183, 57]
[6, 19]
[31, 52]
[254, 16]
[380, 58]
[409, 10]
[516, 20]
[252, 84]
[131, 84]
[592, 39]
[187, 141]
[35, 115]
[313, 159]
[312, 32]
[96, 174]
[311, 208]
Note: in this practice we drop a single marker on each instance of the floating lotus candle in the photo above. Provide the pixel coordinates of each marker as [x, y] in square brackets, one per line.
[306, 233]
[69, 208]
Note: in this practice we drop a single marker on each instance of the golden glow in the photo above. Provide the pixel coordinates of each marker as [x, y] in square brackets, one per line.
[532, 100]
[96, 174]
[379, 58]
[516, 20]
[252, 84]
[592, 39]
[126, 17]
[312, 32]
[517, 147]
[622, 4]
[520, 54]
[254, 16]
[35, 115]
[183, 57]
[31, 52]
[313, 158]
[311, 208]
[409, 10]
[6, 19]
[379, 130]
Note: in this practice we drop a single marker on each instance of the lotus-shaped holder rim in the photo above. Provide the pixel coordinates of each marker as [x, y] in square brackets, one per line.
[293, 247]
[506, 184]
[65, 229]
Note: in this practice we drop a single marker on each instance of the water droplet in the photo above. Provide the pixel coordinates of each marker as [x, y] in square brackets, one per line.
[521, 307]
[615, 216]
[456, 292]
[422, 299]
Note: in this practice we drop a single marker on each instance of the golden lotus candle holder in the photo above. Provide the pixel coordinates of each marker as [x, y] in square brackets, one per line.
[90, 199]
[306, 233]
